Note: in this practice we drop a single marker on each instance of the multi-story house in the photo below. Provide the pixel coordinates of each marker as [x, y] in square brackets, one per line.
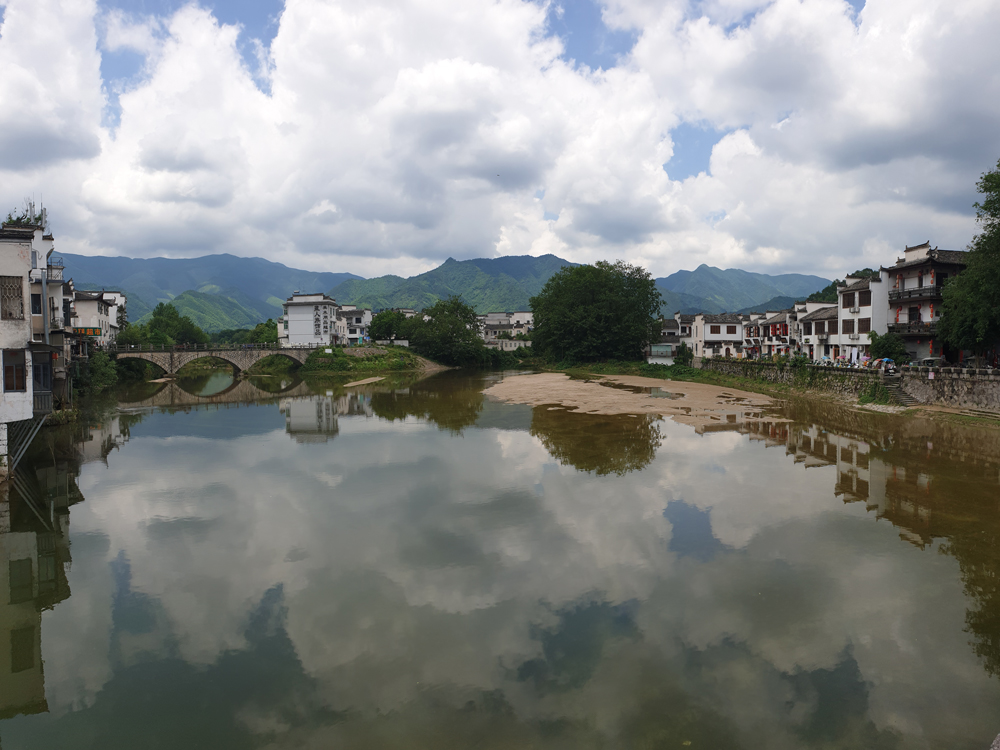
[308, 320]
[352, 324]
[863, 307]
[914, 292]
[26, 382]
[720, 335]
[662, 352]
[686, 332]
[93, 317]
[819, 331]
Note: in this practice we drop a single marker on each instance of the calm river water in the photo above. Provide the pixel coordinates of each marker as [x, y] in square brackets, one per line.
[411, 565]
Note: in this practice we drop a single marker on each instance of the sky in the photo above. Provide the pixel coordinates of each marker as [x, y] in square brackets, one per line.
[810, 136]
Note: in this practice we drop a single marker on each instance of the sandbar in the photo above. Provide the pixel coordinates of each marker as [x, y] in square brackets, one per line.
[695, 404]
[366, 381]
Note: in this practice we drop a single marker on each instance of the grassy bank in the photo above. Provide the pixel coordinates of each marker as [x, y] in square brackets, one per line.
[389, 359]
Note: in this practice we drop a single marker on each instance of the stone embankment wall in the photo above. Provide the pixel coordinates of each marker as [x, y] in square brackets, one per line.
[834, 379]
[952, 386]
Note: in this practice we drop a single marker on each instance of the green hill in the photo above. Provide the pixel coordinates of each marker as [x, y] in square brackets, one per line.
[734, 289]
[488, 284]
[254, 283]
[775, 304]
[213, 312]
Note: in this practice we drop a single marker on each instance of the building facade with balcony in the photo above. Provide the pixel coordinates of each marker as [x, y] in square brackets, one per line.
[914, 287]
[720, 335]
[308, 320]
[819, 331]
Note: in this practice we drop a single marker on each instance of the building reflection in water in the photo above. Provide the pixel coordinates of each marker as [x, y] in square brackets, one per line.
[313, 419]
[35, 552]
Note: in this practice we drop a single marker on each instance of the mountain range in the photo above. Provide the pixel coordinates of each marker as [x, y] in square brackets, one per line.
[224, 291]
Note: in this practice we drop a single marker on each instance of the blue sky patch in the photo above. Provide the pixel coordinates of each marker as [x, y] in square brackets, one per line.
[585, 37]
[693, 146]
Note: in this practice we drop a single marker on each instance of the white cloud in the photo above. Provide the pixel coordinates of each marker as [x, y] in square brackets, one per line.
[385, 137]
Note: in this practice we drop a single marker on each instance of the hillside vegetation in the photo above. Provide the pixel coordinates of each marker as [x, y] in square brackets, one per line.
[487, 284]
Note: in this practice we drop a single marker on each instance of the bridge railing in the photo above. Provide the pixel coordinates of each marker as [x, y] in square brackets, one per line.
[202, 347]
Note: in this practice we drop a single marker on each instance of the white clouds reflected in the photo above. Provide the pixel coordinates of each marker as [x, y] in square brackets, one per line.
[411, 558]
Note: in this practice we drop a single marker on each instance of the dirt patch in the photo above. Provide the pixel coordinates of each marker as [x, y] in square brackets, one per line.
[696, 404]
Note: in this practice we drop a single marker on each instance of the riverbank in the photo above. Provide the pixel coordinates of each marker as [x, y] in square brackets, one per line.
[859, 391]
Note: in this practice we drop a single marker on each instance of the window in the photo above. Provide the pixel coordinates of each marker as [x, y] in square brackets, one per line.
[357, 320]
[13, 370]
[11, 298]
[865, 298]
[41, 376]
[914, 315]
[22, 649]
[713, 329]
[848, 300]
[730, 329]
[847, 326]
[807, 328]
[21, 581]
[36, 304]
[864, 325]
[832, 326]
[941, 277]
[820, 327]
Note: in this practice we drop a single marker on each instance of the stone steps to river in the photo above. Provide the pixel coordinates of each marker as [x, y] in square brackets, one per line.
[893, 384]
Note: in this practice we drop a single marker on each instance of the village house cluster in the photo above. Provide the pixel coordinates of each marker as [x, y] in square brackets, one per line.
[507, 331]
[48, 328]
[904, 298]
[310, 320]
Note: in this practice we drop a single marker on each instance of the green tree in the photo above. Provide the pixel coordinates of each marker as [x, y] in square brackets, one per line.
[264, 333]
[684, 355]
[387, 325]
[970, 316]
[100, 374]
[888, 346]
[450, 335]
[603, 311]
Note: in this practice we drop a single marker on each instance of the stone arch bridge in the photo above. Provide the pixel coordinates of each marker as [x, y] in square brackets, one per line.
[171, 359]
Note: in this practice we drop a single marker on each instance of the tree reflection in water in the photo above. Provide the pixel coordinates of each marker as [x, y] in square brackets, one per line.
[602, 443]
[452, 401]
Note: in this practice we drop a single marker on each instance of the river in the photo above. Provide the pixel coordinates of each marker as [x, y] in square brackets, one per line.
[409, 564]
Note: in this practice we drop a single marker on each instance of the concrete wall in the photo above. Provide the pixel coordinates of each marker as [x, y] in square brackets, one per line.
[947, 386]
[835, 380]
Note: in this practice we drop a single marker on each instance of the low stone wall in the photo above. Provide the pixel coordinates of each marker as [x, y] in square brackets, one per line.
[948, 386]
[839, 380]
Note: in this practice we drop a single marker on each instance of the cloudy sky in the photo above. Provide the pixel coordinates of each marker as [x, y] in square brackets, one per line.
[376, 137]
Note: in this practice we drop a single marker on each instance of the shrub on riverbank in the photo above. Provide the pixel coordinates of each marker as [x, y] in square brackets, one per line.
[337, 360]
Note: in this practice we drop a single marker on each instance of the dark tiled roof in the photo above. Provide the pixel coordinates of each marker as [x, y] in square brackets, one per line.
[723, 318]
[684, 318]
[857, 286]
[16, 233]
[779, 318]
[824, 313]
[670, 324]
[954, 257]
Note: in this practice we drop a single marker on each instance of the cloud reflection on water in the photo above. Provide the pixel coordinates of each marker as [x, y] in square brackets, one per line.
[467, 582]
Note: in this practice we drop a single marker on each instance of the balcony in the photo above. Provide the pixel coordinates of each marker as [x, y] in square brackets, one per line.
[921, 327]
[42, 402]
[926, 292]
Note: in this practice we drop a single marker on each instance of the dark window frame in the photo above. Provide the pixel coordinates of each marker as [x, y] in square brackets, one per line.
[848, 300]
[14, 372]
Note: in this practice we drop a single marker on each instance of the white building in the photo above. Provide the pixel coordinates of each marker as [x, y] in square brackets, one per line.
[21, 366]
[308, 320]
[93, 317]
[352, 324]
[719, 335]
[863, 307]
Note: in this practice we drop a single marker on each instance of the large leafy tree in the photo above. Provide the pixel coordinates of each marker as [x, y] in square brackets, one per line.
[603, 311]
[450, 335]
[165, 327]
[971, 310]
[387, 325]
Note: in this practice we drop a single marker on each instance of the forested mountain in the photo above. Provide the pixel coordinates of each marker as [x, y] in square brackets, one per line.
[239, 284]
[734, 289]
[487, 284]
[221, 292]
